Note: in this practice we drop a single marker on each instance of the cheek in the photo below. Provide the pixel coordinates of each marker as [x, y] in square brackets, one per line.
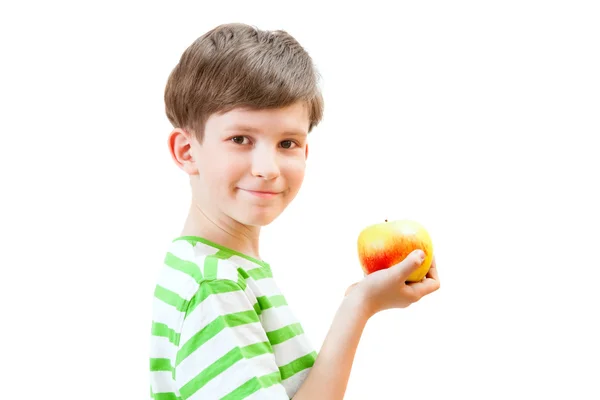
[294, 171]
[222, 171]
[209, 177]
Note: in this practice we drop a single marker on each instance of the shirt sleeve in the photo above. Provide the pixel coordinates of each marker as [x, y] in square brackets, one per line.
[223, 350]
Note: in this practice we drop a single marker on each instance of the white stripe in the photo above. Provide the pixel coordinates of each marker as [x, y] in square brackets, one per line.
[162, 382]
[291, 349]
[250, 295]
[183, 249]
[275, 392]
[212, 307]
[264, 287]
[178, 282]
[217, 347]
[246, 264]
[227, 270]
[166, 314]
[293, 383]
[161, 347]
[202, 250]
[278, 317]
[236, 376]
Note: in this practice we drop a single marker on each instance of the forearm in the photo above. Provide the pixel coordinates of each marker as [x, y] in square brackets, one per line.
[329, 376]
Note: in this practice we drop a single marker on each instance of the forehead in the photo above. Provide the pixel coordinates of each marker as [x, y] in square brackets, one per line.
[291, 119]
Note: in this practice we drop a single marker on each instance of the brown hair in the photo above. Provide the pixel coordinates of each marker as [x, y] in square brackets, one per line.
[237, 65]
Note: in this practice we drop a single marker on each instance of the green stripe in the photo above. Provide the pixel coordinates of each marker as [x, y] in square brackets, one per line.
[162, 330]
[243, 273]
[260, 273]
[171, 298]
[212, 329]
[165, 396]
[187, 267]
[270, 302]
[222, 364]
[281, 335]
[210, 267]
[252, 386]
[222, 254]
[160, 364]
[211, 287]
[298, 365]
[256, 349]
[242, 276]
[256, 307]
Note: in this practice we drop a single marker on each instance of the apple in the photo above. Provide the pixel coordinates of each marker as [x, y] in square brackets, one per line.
[385, 244]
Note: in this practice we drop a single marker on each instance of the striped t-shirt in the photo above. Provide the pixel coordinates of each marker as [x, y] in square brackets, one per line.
[221, 328]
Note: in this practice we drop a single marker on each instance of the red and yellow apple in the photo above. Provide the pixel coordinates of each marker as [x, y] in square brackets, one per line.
[385, 244]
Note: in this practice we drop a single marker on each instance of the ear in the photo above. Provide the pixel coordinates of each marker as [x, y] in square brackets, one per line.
[180, 146]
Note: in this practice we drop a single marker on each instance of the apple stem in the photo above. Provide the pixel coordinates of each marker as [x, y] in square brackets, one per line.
[386, 220]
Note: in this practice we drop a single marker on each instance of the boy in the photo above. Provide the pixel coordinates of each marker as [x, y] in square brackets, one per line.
[242, 102]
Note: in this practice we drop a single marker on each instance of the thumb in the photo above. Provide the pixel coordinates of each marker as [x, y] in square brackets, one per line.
[405, 267]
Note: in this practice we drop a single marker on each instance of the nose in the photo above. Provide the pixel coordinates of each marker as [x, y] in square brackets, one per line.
[265, 164]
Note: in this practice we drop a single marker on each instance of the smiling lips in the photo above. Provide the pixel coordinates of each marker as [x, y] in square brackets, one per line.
[262, 194]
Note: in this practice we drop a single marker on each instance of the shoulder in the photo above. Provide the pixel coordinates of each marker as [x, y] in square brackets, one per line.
[186, 270]
[213, 293]
[198, 265]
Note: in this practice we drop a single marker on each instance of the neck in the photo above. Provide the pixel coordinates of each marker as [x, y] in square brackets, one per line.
[222, 230]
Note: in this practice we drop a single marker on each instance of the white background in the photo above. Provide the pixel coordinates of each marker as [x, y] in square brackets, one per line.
[478, 119]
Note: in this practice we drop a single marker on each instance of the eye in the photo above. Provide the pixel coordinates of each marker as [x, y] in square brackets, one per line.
[239, 139]
[287, 144]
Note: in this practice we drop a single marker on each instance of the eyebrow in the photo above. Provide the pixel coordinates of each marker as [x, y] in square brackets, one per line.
[249, 129]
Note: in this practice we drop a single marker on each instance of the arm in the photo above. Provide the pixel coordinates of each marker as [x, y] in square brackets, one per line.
[329, 375]
[379, 291]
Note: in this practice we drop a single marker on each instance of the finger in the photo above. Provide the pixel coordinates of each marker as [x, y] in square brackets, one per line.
[433, 271]
[350, 288]
[423, 288]
[405, 267]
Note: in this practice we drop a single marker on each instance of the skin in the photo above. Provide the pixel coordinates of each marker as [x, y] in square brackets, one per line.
[382, 290]
[227, 167]
[231, 164]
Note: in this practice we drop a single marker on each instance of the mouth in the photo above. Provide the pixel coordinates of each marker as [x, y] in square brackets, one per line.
[262, 194]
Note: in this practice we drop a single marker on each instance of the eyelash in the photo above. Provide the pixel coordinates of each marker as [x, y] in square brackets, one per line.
[246, 137]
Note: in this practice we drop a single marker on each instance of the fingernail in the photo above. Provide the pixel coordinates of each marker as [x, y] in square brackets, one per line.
[421, 255]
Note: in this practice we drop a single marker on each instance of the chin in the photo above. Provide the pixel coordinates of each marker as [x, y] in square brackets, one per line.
[258, 220]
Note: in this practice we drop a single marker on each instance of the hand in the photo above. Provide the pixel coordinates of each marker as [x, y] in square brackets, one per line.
[387, 288]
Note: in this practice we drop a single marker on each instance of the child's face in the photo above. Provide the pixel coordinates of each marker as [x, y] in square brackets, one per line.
[251, 163]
